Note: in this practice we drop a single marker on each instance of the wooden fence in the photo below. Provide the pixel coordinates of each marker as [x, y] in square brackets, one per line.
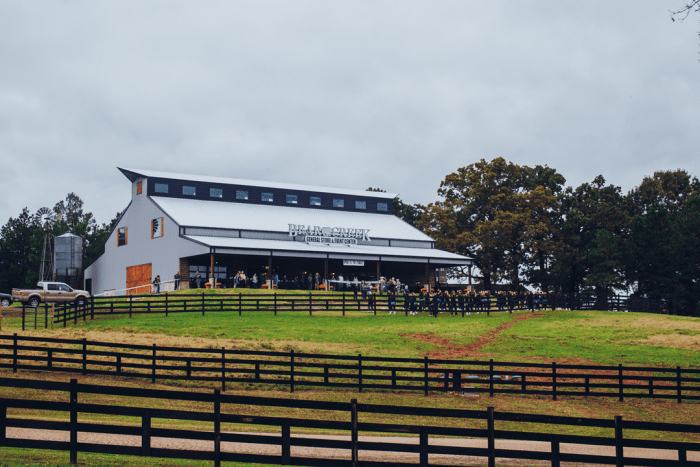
[359, 372]
[239, 413]
[340, 303]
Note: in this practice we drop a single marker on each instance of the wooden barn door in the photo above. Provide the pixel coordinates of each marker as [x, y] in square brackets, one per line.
[140, 277]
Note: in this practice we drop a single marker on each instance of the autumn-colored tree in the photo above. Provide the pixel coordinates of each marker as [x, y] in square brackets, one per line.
[484, 214]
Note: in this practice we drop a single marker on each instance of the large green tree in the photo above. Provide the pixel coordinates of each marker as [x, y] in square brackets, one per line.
[661, 256]
[594, 223]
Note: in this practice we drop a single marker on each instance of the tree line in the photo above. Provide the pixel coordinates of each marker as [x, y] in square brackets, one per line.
[22, 240]
[523, 226]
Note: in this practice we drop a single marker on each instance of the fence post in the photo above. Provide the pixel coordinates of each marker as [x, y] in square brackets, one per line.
[678, 384]
[65, 315]
[619, 452]
[326, 372]
[119, 364]
[111, 306]
[84, 356]
[425, 375]
[310, 305]
[492, 439]
[46, 315]
[189, 369]
[588, 387]
[359, 371]
[73, 421]
[353, 433]
[75, 315]
[23, 312]
[166, 304]
[275, 303]
[223, 369]
[682, 455]
[554, 380]
[49, 358]
[217, 428]
[393, 378]
[3, 424]
[620, 383]
[14, 355]
[343, 304]
[153, 368]
[202, 303]
[240, 303]
[53, 314]
[491, 378]
[257, 371]
[291, 370]
[555, 451]
[286, 442]
[523, 383]
[423, 446]
[146, 432]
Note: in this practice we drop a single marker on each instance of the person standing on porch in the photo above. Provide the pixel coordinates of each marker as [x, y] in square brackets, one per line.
[176, 284]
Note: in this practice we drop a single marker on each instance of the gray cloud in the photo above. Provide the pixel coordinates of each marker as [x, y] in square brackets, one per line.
[348, 94]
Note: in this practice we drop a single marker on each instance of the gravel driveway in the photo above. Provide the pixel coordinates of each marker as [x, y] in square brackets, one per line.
[331, 453]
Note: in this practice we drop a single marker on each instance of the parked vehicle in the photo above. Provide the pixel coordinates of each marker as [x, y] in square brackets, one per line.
[6, 299]
[50, 292]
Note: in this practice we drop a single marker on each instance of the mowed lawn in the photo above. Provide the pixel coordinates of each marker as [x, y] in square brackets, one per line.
[561, 335]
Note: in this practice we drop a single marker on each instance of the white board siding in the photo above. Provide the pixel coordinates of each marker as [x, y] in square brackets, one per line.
[108, 272]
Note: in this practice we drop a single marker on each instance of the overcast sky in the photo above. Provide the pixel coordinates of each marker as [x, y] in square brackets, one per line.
[390, 94]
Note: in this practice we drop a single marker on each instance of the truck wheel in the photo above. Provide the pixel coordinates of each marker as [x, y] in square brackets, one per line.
[34, 302]
[6, 302]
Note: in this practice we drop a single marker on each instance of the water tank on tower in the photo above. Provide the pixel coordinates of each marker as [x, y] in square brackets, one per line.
[68, 260]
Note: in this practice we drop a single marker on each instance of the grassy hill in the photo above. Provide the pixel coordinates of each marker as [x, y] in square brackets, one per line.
[542, 336]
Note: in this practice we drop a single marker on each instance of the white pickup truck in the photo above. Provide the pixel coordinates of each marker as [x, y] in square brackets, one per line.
[50, 292]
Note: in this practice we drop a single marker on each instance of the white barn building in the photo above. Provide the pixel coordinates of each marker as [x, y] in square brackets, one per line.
[210, 225]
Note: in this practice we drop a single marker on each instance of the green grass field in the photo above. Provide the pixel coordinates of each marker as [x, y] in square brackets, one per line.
[561, 335]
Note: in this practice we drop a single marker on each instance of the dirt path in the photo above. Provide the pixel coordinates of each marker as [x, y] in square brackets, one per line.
[332, 453]
[451, 350]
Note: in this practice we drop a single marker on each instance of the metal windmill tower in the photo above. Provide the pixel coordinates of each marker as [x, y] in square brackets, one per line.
[47, 218]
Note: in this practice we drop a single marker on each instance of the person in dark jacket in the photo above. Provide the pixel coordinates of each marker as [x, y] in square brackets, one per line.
[156, 284]
[391, 301]
[198, 281]
[176, 283]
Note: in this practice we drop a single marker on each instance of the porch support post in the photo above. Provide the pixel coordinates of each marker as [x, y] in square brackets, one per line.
[325, 269]
[212, 280]
[269, 270]
[379, 269]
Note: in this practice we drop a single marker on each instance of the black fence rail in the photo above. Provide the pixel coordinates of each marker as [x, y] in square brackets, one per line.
[239, 414]
[359, 372]
[166, 304]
